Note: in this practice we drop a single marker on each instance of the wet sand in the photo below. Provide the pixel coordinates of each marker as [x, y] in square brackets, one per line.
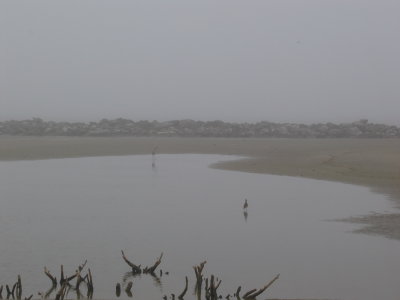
[369, 162]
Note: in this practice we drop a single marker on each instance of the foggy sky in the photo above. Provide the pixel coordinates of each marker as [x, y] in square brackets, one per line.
[281, 61]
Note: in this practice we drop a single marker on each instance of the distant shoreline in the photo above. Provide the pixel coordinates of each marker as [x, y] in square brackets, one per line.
[369, 162]
[374, 163]
[191, 128]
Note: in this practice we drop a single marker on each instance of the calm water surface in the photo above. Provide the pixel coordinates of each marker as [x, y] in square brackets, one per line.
[65, 211]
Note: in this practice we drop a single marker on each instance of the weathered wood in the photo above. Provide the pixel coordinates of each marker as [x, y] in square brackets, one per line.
[1, 292]
[79, 279]
[254, 294]
[9, 292]
[80, 267]
[68, 279]
[185, 289]
[90, 281]
[19, 287]
[62, 275]
[51, 277]
[249, 293]
[199, 276]
[62, 291]
[49, 291]
[14, 288]
[154, 266]
[213, 295]
[135, 269]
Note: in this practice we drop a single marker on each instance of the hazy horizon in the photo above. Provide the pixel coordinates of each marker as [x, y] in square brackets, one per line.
[305, 61]
[185, 119]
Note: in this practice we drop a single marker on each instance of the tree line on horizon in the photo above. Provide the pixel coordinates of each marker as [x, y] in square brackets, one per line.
[191, 128]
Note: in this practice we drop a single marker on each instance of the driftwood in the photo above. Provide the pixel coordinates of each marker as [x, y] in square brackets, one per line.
[62, 275]
[88, 279]
[65, 279]
[15, 291]
[249, 293]
[52, 278]
[65, 283]
[89, 283]
[211, 288]
[62, 291]
[80, 267]
[151, 270]
[49, 291]
[10, 292]
[79, 280]
[185, 289]
[18, 287]
[254, 293]
[29, 298]
[135, 269]
[211, 284]
[198, 270]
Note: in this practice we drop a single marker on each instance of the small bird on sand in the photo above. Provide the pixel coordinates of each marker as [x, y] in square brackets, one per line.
[245, 205]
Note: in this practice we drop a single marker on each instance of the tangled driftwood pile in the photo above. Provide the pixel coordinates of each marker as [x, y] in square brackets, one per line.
[67, 284]
[211, 284]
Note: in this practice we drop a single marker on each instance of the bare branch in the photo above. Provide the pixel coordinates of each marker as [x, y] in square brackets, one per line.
[185, 290]
[135, 269]
[153, 267]
[254, 294]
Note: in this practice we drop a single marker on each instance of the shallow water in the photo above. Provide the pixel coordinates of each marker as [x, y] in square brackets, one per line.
[67, 210]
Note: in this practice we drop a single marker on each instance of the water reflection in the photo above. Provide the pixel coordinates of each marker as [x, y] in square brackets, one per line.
[65, 290]
[128, 276]
[245, 206]
[62, 210]
[49, 291]
[245, 215]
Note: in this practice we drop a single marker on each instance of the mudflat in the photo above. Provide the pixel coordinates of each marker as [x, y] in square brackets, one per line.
[359, 161]
[370, 162]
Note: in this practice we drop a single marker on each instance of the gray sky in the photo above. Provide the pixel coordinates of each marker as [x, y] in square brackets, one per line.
[282, 61]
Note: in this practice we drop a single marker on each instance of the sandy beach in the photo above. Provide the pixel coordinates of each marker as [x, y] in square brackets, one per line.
[374, 163]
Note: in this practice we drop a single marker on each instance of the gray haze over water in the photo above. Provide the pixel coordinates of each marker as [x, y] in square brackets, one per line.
[281, 61]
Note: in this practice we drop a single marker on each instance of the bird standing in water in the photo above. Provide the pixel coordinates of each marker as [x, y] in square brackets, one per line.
[245, 205]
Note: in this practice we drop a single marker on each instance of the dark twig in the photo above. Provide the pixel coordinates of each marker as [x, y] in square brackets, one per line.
[80, 267]
[254, 293]
[185, 289]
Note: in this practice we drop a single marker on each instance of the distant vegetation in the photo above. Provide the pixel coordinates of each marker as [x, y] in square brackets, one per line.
[191, 128]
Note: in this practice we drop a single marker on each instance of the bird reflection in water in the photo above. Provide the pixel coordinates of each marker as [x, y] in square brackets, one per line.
[153, 158]
[245, 206]
[245, 215]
